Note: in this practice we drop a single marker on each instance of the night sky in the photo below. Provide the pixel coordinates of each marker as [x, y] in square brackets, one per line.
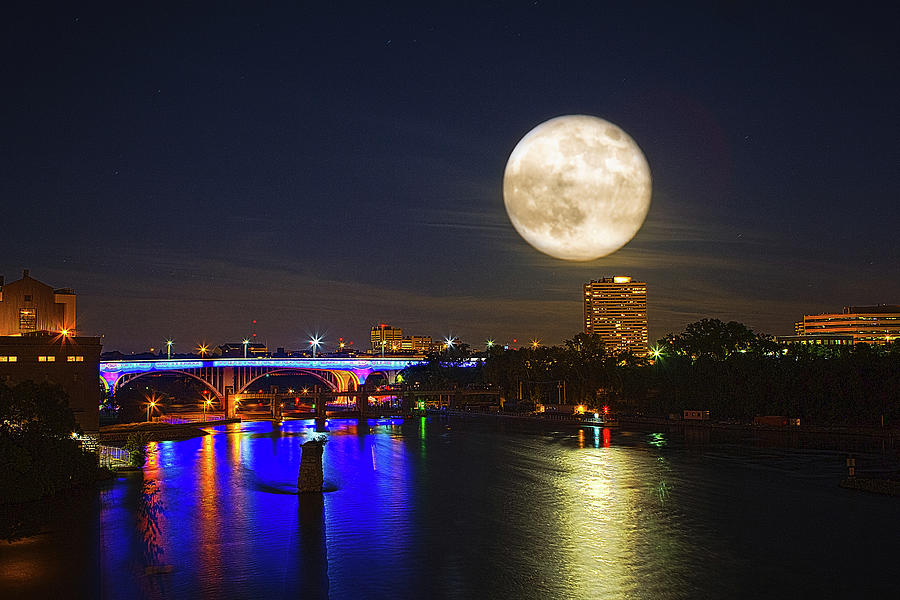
[187, 170]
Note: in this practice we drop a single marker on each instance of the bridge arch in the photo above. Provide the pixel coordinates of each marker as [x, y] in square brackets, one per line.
[130, 377]
[332, 382]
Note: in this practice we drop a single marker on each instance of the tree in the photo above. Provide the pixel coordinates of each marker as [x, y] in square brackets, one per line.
[711, 339]
[38, 453]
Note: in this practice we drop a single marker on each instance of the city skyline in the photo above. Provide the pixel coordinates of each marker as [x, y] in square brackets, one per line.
[321, 171]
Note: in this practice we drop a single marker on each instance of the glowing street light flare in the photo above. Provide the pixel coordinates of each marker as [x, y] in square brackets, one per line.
[489, 343]
[203, 349]
[169, 349]
[535, 344]
[151, 404]
[315, 341]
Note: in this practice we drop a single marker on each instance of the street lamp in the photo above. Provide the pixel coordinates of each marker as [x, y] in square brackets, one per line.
[382, 348]
[448, 342]
[315, 341]
[169, 349]
[206, 404]
[203, 349]
[535, 344]
[489, 344]
[150, 404]
[245, 342]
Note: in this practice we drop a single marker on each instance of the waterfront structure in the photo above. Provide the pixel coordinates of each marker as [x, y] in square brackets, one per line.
[28, 306]
[69, 361]
[615, 308]
[227, 379]
[878, 324]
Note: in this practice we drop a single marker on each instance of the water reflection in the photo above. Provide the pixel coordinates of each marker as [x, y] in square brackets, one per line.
[312, 560]
[497, 510]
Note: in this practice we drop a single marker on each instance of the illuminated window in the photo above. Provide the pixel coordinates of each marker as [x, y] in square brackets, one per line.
[9, 358]
[27, 319]
[75, 358]
[46, 359]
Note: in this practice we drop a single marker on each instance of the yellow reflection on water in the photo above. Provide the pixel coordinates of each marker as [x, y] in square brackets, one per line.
[208, 511]
[152, 455]
[615, 517]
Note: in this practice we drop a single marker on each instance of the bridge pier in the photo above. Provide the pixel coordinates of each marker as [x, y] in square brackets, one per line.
[276, 404]
[362, 403]
[230, 403]
[311, 477]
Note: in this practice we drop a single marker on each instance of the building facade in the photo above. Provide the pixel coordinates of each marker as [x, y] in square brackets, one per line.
[386, 338]
[416, 344]
[879, 324]
[615, 308]
[71, 362]
[27, 306]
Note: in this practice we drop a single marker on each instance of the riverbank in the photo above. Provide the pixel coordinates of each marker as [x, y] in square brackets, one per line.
[548, 418]
[159, 432]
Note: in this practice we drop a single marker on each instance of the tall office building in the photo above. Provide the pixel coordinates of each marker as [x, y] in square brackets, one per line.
[386, 338]
[615, 308]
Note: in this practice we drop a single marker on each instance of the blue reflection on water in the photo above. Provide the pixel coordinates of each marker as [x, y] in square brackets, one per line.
[494, 511]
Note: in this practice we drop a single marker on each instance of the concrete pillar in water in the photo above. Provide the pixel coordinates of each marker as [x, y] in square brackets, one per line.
[311, 477]
[362, 402]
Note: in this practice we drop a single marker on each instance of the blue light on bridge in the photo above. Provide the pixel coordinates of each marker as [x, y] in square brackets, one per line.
[146, 366]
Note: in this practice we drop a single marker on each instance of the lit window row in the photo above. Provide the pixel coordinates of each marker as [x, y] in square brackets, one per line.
[46, 359]
[9, 359]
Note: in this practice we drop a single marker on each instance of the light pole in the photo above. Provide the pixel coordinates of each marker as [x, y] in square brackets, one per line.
[169, 349]
[203, 349]
[245, 342]
[150, 404]
[382, 348]
[315, 341]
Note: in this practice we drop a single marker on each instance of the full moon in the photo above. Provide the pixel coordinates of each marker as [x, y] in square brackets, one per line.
[577, 187]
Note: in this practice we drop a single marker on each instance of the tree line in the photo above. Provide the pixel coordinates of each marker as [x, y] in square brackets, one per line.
[724, 368]
[39, 455]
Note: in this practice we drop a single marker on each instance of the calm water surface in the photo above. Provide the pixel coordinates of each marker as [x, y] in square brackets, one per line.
[491, 509]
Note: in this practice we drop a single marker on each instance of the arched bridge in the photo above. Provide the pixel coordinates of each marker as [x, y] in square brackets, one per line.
[227, 377]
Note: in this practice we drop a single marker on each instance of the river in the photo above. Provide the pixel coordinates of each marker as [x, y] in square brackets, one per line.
[477, 508]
